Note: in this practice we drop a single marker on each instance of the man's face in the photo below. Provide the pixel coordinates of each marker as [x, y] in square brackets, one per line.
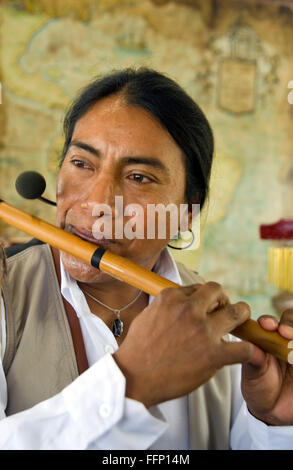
[117, 150]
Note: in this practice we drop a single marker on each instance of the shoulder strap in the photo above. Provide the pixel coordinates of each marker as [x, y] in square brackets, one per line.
[81, 359]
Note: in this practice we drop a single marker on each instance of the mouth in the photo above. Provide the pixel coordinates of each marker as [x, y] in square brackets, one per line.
[86, 235]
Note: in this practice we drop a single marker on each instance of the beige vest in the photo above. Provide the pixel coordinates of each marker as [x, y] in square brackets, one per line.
[39, 356]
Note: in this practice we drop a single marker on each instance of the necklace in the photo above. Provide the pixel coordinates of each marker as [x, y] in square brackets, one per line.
[117, 327]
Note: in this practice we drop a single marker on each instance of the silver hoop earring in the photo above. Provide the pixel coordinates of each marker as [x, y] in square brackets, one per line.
[180, 238]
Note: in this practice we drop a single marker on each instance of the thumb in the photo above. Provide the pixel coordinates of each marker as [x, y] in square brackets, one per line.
[257, 365]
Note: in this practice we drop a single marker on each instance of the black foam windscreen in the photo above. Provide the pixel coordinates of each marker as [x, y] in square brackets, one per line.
[30, 185]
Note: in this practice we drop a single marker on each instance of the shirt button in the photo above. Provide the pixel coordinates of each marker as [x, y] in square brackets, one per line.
[105, 410]
[109, 349]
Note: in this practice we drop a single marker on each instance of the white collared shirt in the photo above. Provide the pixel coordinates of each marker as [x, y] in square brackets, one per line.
[93, 412]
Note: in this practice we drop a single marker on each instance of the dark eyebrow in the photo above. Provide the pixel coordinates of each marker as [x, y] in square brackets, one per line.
[135, 160]
[143, 160]
[86, 147]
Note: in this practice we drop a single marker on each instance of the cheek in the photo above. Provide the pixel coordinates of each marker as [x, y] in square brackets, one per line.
[67, 195]
[59, 187]
[61, 199]
[161, 221]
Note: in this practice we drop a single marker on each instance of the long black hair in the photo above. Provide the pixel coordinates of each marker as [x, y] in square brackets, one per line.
[170, 105]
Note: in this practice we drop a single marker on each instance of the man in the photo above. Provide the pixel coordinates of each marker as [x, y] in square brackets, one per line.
[158, 380]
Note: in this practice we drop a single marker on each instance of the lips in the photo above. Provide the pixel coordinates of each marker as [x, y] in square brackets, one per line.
[86, 235]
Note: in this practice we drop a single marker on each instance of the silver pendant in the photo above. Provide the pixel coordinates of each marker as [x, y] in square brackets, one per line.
[117, 327]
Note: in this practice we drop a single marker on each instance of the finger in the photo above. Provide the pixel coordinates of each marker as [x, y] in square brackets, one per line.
[189, 290]
[210, 296]
[226, 319]
[257, 365]
[268, 322]
[176, 294]
[180, 292]
[257, 361]
[237, 352]
[286, 324]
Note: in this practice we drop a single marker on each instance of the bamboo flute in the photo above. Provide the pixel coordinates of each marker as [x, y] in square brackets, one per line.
[131, 273]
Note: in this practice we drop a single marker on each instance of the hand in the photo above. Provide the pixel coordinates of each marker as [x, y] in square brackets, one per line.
[267, 382]
[175, 344]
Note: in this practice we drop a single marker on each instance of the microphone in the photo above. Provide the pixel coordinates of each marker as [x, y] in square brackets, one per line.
[31, 185]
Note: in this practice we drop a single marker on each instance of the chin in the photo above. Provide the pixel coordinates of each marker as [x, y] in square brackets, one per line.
[81, 271]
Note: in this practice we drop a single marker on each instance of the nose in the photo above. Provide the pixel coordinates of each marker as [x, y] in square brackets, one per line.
[99, 199]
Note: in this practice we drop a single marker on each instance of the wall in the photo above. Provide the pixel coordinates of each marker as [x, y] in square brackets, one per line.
[234, 58]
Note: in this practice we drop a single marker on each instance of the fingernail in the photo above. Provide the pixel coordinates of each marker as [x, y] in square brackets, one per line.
[272, 321]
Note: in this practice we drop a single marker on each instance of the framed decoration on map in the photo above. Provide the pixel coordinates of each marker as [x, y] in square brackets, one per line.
[237, 85]
[237, 73]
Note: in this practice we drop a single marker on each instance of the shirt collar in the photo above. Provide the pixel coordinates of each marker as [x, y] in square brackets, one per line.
[166, 267]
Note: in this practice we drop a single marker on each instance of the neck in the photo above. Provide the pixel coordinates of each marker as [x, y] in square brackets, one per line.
[114, 293]
[115, 300]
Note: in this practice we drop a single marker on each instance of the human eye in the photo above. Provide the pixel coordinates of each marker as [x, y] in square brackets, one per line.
[80, 163]
[140, 179]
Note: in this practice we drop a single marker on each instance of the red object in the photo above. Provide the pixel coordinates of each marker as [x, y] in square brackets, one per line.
[282, 230]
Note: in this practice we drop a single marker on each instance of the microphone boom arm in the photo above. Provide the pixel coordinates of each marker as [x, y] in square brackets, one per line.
[47, 201]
